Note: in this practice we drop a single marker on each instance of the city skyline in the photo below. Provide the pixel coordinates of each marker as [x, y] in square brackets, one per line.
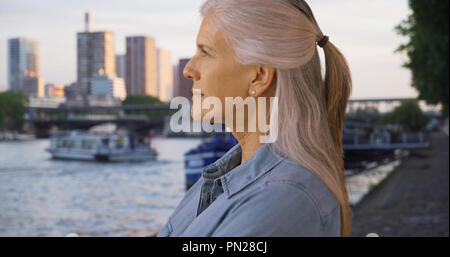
[364, 32]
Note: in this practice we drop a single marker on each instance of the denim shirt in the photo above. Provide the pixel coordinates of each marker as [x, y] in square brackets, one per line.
[268, 195]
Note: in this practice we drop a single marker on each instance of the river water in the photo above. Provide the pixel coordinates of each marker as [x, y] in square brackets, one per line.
[40, 196]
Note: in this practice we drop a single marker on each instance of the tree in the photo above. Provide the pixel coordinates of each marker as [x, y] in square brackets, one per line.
[427, 49]
[12, 110]
[408, 115]
[141, 99]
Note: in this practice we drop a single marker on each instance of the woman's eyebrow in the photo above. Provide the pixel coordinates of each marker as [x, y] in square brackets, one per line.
[203, 46]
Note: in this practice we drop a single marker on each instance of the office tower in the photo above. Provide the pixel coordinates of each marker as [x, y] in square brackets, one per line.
[184, 86]
[141, 74]
[54, 90]
[165, 75]
[175, 79]
[70, 90]
[33, 85]
[95, 52]
[109, 85]
[120, 66]
[23, 65]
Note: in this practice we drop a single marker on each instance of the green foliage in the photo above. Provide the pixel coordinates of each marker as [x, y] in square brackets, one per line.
[408, 115]
[427, 49]
[145, 99]
[12, 110]
[141, 99]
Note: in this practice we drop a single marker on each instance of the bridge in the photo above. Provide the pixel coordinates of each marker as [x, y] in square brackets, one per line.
[141, 117]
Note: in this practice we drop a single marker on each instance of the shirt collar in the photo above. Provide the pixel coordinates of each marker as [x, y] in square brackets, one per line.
[234, 176]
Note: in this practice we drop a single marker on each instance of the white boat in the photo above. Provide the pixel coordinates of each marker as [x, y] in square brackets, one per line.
[98, 145]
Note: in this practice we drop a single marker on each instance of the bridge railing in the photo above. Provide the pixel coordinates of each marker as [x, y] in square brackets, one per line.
[385, 140]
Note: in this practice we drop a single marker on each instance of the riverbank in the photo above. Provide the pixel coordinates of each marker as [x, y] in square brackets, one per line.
[413, 199]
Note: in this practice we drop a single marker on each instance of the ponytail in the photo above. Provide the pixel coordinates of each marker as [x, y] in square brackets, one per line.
[338, 87]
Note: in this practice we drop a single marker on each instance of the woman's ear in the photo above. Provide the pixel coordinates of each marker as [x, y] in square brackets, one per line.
[262, 80]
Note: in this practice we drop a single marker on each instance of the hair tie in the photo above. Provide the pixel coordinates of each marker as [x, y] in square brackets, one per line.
[323, 41]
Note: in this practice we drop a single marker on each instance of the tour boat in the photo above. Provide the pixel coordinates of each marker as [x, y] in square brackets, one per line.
[98, 145]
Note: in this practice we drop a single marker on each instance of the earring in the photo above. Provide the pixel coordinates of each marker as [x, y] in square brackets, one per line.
[253, 92]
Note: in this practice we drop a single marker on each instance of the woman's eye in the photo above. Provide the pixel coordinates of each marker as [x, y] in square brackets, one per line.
[204, 53]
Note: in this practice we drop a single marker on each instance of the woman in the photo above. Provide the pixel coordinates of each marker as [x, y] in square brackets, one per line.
[294, 186]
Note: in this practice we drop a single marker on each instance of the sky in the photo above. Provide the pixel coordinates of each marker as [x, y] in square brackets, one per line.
[362, 30]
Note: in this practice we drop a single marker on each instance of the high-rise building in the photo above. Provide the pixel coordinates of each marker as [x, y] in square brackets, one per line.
[54, 90]
[95, 52]
[175, 79]
[33, 86]
[70, 90]
[108, 85]
[120, 66]
[184, 86]
[141, 74]
[23, 65]
[165, 75]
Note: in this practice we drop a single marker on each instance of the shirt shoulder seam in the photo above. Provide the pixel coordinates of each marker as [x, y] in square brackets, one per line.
[305, 191]
[301, 185]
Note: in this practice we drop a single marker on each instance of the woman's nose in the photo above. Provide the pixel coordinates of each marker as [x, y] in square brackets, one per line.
[189, 73]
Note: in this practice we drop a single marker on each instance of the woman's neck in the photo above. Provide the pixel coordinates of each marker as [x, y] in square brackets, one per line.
[249, 142]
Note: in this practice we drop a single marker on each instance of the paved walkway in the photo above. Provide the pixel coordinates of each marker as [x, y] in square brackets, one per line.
[413, 199]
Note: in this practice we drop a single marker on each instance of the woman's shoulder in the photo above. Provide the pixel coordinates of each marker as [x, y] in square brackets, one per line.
[291, 173]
